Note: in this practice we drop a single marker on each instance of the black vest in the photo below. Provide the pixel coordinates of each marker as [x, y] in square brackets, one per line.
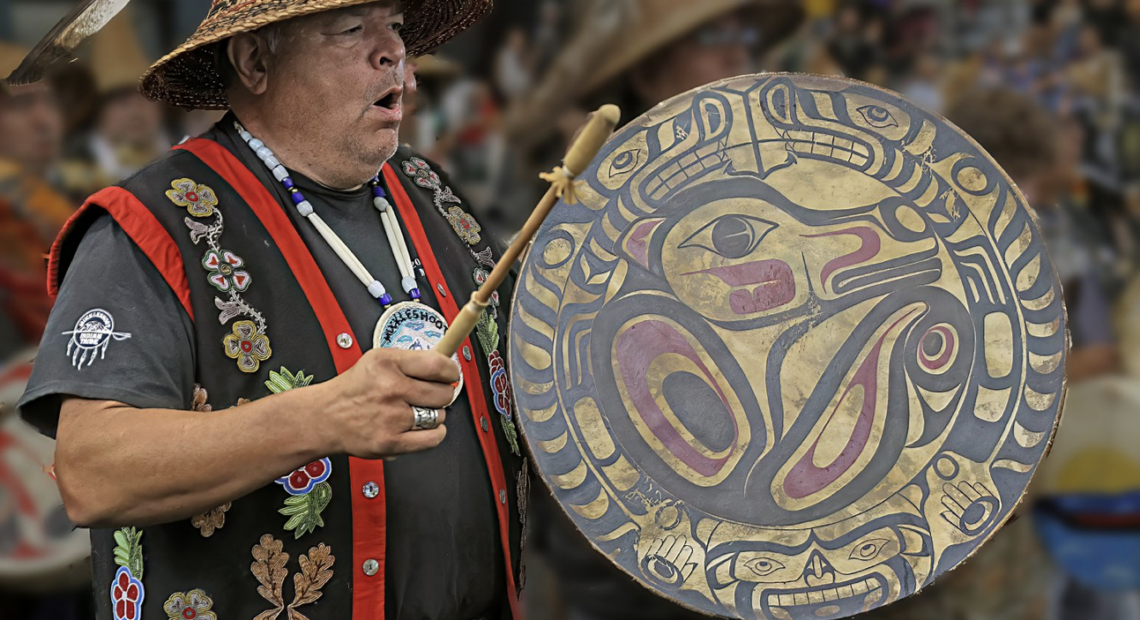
[310, 545]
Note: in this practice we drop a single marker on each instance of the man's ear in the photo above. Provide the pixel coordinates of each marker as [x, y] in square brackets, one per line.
[248, 55]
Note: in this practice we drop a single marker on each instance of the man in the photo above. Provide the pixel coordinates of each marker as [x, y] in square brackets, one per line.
[209, 366]
[31, 211]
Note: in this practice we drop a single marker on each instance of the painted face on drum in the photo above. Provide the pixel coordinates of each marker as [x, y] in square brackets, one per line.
[833, 573]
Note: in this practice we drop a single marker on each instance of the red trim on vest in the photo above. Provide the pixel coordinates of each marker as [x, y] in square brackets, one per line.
[142, 227]
[474, 389]
[369, 516]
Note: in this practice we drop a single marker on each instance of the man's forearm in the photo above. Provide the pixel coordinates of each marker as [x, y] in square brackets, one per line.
[118, 465]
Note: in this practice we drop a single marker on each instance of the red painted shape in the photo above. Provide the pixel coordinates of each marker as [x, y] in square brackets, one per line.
[369, 517]
[636, 350]
[868, 248]
[143, 228]
[475, 396]
[806, 478]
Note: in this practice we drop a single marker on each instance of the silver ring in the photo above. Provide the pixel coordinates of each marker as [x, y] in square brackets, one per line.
[425, 419]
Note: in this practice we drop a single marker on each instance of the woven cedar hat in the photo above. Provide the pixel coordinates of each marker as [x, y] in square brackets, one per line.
[188, 77]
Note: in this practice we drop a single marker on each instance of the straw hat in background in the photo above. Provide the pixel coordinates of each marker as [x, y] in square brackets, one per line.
[117, 59]
[435, 66]
[188, 77]
[614, 36]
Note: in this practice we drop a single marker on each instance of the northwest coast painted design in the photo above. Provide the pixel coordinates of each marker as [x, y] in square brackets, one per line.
[796, 353]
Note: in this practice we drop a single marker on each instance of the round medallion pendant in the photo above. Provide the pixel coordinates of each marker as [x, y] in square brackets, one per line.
[413, 326]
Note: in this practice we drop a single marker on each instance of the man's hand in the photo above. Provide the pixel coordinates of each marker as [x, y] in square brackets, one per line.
[371, 405]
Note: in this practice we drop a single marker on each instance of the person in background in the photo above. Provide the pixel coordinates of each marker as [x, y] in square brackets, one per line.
[128, 131]
[31, 210]
[425, 127]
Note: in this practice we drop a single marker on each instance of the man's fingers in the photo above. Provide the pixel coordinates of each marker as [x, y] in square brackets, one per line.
[418, 441]
[428, 395]
[427, 366]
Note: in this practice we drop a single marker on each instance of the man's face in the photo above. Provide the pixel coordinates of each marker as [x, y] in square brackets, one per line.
[717, 50]
[336, 86]
[31, 126]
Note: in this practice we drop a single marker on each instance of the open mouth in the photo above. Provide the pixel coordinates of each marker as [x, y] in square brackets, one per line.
[677, 173]
[390, 101]
[835, 601]
[825, 145]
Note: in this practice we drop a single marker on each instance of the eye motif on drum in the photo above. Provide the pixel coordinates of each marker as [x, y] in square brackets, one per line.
[797, 352]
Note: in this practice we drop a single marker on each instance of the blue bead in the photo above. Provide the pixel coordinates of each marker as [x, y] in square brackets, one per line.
[415, 293]
[385, 299]
[287, 182]
[298, 198]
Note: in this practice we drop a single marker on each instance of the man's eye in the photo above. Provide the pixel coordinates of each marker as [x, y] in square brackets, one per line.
[397, 26]
[354, 30]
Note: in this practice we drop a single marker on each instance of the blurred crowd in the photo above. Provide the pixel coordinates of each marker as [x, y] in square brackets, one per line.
[1051, 88]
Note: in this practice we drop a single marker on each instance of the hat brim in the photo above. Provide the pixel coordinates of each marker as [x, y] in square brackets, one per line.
[188, 77]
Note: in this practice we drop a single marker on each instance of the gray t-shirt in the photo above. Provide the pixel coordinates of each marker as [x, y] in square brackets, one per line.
[446, 567]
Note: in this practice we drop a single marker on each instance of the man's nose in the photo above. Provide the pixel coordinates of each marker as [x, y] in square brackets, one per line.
[390, 51]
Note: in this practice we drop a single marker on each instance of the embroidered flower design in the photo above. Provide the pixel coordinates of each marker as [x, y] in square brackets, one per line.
[210, 521]
[199, 200]
[225, 273]
[422, 174]
[192, 605]
[126, 595]
[465, 226]
[248, 346]
[303, 479]
[501, 387]
[199, 403]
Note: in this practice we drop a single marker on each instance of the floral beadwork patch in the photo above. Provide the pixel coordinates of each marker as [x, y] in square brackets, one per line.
[192, 605]
[248, 345]
[303, 479]
[487, 330]
[225, 272]
[269, 561]
[501, 387]
[199, 200]
[464, 225]
[308, 487]
[212, 520]
[127, 591]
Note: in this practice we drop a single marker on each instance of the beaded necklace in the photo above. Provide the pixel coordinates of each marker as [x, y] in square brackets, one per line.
[407, 325]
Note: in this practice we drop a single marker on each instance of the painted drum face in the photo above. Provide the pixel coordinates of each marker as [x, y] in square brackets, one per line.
[796, 353]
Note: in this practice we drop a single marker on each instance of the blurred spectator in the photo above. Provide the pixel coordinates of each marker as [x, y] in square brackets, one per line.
[31, 211]
[425, 126]
[512, 65]
[128, 132]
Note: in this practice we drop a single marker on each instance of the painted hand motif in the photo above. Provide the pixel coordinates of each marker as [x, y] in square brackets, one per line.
[668, 562]
[970, 507]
